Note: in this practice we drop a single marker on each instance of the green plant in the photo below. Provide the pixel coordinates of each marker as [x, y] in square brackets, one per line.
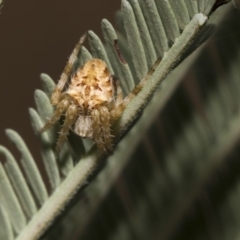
[148, 37]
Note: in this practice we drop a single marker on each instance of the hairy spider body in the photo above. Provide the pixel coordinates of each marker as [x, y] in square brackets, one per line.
[91, 102]
[93, 92]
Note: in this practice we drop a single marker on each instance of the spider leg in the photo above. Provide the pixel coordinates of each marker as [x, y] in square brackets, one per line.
[67, 71]
[96, 126]
[70, 118]
[140, 85]
[117, 109]
[105, 128]
[119, 94]
[61, 108]
[120, 108]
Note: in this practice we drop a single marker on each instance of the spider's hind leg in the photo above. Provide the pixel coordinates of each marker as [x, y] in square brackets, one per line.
[70, 118]
[140, 85]
[120, 107]
[117, 108]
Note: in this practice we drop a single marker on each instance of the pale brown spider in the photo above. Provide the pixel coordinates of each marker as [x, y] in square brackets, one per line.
[92, 101]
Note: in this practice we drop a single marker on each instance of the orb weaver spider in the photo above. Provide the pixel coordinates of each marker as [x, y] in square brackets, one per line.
[92, 101]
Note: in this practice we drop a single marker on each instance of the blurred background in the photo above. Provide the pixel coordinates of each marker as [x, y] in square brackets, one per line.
[36, 37]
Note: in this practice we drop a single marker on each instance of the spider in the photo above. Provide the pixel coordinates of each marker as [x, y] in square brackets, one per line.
[92, 102]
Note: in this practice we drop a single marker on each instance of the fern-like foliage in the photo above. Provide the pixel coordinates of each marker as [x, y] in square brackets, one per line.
[152, 30]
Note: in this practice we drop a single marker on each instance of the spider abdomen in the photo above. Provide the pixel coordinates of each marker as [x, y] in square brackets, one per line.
[83, 126]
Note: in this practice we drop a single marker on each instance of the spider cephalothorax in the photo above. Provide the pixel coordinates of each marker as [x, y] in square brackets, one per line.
[92, 102]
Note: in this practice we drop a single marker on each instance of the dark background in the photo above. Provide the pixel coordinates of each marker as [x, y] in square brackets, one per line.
[38, 36]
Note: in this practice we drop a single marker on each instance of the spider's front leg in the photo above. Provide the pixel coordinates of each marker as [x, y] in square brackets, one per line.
[60, 109]
[67, 71]
[70, 118]
[105, 118]
[101, 126]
